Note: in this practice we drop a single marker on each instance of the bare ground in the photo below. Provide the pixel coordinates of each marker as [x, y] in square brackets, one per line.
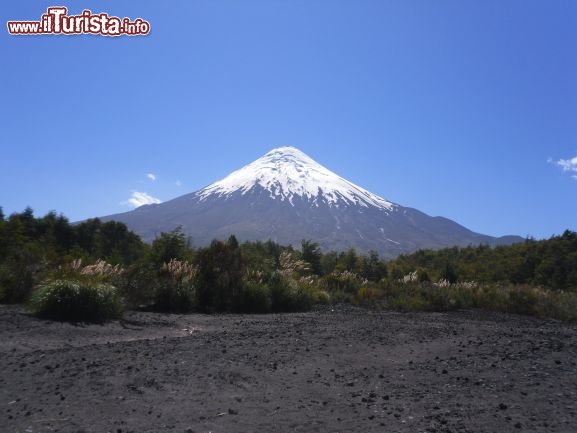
[332, 370]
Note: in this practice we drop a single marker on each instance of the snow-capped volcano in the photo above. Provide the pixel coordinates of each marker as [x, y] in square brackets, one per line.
[286, 173]
[286, 196]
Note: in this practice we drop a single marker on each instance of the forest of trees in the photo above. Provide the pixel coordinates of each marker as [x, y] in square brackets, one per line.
[548, 263]
[172, 274]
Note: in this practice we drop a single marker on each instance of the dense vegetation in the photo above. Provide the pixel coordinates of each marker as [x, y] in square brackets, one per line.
[92, 270]
[33, 249]
[551, 263]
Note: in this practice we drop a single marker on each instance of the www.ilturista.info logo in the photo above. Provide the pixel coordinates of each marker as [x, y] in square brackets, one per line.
[56, 21]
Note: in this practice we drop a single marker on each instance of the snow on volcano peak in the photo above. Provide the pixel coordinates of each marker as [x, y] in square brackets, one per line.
[287, 173]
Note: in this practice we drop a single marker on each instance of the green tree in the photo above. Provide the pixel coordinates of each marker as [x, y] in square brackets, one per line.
[449, 273]
[232, 241]
[423, 276]
[311, 253]
[372, 268]
[348, 261]
[220, 272]
[171, 245]
[328, 262]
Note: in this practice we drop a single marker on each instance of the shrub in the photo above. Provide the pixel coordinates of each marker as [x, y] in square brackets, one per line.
[175, 290]
[138, 284]
[523, 300]
[15, 284]
[340, 297]
[490, 297]
[322, 297]
[253, 298]
[407, 302]
[20, 273]
[368, 295]
[409, 278]
[288, 295]
[345, 281]
[72, 300]
[98, 272]
[423, 276]
[558, 304]
[441, 298]
[280, 293]
[291, 266]
[173, 297]
[408, 295]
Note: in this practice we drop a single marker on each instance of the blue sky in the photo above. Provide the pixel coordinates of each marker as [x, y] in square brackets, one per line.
[464, 109]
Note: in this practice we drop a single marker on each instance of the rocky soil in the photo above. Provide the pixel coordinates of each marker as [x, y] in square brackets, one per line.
[337, 369]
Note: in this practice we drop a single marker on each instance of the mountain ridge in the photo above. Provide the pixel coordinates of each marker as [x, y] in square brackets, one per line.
[286, 196]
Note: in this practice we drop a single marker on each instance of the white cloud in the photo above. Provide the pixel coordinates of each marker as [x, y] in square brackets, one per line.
[568, 164]
[151, 176]
[178, 183]
[141, 198]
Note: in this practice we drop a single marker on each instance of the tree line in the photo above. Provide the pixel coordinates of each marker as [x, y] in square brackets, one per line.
[550, 263]
[172, 274]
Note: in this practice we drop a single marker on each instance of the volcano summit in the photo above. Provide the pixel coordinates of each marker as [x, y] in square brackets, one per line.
[286, 196]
